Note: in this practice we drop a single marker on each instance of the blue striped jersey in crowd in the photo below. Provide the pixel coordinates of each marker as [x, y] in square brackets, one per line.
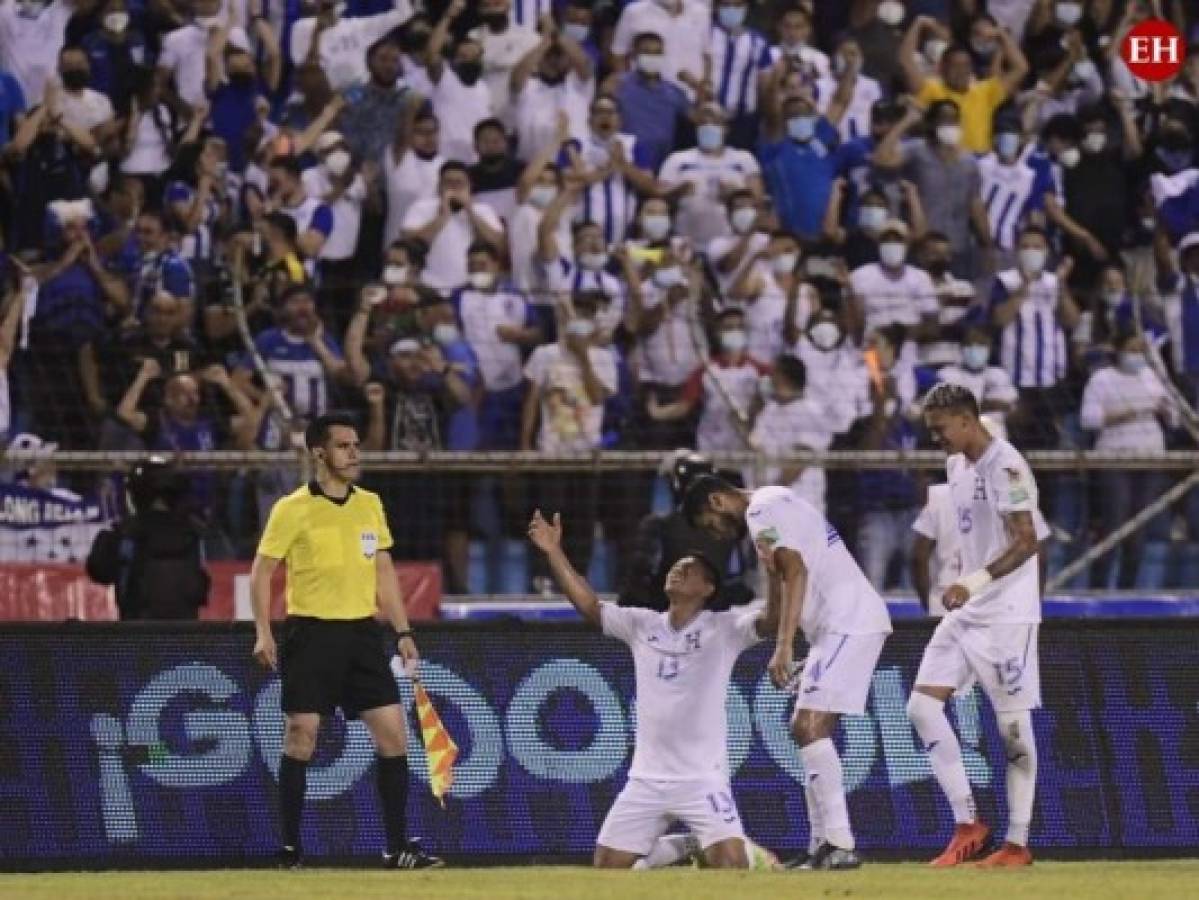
[305, 384]
[1032, 348]
[611, 203]
[526, 12]
[197, 244]
[1010, 192]
[737, 59]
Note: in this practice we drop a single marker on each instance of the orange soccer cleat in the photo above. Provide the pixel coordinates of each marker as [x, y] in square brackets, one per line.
[1008, 856]
[968, 841]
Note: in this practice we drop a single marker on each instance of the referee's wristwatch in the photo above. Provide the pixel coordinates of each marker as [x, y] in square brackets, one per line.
[400, 635]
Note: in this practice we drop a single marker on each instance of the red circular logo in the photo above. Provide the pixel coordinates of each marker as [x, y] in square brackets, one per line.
[1153, 51]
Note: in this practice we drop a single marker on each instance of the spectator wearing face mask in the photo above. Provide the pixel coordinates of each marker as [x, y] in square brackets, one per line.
[380, 112]
[1032, 308]
[234, 89]
[681, 27]
[739, 56]
[652, 108]
[458, 93]
[494, 177]
[796, 50]
[955, 300]
[591, 268]
[1011, 190]
[78, 105]
[731, 256]
[1178, 281]
[498, 323]
[774, 298]
[790, 422]
[313, 217]
[339, 44]
[506, 36]
[857, 238]
[876, 28]
[859, 92]
[411, 168]
[555, 77]
[1127, 406]
[946, 178]
[834, 369]
[337, 183]
[724, 390]
[31, 37]
[702, 178]
[184, 54]
[977, 99]
[798, 154]
[1067, 80]
[991, 385]
[1112, 310]
[115, 52]
[892, 292]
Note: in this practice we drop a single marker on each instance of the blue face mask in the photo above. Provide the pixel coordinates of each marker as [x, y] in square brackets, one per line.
[731, 16]
[709, 137]
[975, 356]
[1007, 144]
[1174, 160]
[1132, 363]
[802, 128]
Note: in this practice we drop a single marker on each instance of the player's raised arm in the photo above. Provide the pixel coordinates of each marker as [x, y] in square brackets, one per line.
[548, 539]
[793, 577]
[1022, 546]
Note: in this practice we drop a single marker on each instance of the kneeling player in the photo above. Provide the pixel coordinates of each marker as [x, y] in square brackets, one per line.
[683, 659]
[990, 631]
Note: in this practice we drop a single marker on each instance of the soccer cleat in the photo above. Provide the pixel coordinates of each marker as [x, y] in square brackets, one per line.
[967, 843]
[412, 857]
[829, 858]
[801, 863]
[1008, 856]
[289, 858]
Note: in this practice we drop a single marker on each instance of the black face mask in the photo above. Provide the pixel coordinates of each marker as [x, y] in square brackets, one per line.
[75, 79]
[937, 267]
[493, 160]
[415, 42]
[495, 21]
[469, 72]
[425, 156]
[241, 80]
[1175, 140]
[553, 80]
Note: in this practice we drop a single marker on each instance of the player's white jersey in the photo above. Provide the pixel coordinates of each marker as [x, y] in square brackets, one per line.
[983, 493]
[839, 597]
[682, 681]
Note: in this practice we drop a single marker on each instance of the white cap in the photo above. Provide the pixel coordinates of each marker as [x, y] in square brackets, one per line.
[328, 141]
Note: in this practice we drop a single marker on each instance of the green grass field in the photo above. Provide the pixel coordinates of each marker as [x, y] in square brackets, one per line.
[1094, 881]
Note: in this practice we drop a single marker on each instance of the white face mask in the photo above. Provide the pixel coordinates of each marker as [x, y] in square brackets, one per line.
[1032, 260]
[655, 227]
[650, 63]
[871, 218]
[784, 263]
[1113, 298]
[338, 162]
[890, 12]
[393, 274]
[709, 137]
[734, 341]
[1068, 13]
[576, 31]
[445, 333]
[892, 254]
[1094, 142]
[481, 281]
[593, 262]
[825, 335]
[802, 128]
[582, 328]
[117, 22]
[1132, 362]
[743, 219]
[542, 195]
[668, 277]
[975, 356]
[1069, 158]
[934, 50]
[949, 135]
[1007, 144]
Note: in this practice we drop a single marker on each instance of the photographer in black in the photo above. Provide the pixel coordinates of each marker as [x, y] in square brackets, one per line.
[153, 556]
[662, 540]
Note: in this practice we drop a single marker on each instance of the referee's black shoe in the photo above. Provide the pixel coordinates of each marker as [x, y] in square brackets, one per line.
[412, 857]
[289, 858]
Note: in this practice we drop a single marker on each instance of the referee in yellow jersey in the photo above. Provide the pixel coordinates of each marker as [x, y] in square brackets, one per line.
[334, 540]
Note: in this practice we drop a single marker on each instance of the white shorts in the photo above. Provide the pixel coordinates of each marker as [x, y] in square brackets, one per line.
[1002, 658]
[837, 674]
[645, 810]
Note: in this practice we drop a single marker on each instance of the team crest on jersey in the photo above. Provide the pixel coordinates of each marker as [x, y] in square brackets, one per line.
[370, 543]
[1017, 491]
[767, 537]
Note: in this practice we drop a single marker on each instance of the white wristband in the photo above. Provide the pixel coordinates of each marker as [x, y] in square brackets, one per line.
[975, 581]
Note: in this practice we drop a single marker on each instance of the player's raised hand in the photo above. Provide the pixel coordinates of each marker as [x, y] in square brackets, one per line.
[781, 665]
[545, 537]
[955, 597]
[265, 651]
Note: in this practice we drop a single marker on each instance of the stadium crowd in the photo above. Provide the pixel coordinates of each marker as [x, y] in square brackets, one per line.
[562, 225]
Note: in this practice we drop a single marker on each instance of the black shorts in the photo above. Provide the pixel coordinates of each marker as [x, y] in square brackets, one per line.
[331, 663]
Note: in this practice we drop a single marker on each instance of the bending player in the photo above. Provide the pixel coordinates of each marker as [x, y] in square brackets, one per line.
[683, 659]
[990, 631]
[844, 619]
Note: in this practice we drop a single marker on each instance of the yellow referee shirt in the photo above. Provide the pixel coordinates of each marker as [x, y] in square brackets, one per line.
[329, 547]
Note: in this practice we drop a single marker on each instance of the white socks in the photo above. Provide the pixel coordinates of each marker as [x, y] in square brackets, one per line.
[815, 819]
[944, 753]
[668, 850]
[1021, 749]
[822, 767]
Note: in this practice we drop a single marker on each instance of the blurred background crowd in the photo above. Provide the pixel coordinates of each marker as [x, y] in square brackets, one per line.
[563, 226]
